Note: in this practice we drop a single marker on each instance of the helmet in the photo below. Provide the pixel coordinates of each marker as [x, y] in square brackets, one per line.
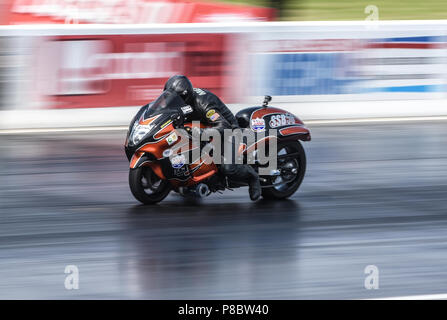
[182, 86]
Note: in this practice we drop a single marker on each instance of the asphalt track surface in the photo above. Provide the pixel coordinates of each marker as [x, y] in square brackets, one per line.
[374, 194]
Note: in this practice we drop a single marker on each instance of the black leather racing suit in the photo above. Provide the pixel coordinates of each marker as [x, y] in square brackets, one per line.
[210, 110]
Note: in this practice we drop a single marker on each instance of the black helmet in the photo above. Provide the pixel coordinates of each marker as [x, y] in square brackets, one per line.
[182, 86]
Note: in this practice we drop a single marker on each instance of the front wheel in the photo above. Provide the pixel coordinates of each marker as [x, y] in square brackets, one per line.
[146, 186]
[291, 164]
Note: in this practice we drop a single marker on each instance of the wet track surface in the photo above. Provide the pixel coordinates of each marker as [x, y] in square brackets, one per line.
[374, 194]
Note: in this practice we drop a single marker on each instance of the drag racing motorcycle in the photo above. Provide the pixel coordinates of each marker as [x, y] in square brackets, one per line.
[155, 171]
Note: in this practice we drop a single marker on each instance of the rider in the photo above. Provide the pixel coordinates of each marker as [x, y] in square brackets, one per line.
[209, 109]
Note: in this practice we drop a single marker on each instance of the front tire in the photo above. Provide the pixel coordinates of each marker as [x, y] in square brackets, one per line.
[146, 186]
[287, 183]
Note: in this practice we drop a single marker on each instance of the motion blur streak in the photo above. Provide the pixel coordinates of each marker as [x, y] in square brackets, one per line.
[374, 194]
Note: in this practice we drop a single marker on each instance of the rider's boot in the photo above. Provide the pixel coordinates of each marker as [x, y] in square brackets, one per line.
[254, 186]
[245, 173]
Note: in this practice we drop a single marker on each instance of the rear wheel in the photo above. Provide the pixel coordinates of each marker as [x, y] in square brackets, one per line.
[146, 186]
[291, 171]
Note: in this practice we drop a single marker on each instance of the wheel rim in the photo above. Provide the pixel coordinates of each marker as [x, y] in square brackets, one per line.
[150, 182]
[289, 171]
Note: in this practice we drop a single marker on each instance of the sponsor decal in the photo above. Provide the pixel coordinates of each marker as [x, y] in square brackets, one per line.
[284, 119]
[258, 124]
[199, 91]
[178, 161]
[167, 153]
[214, 117]
[172, 138]
[210, 113]
[186, 109]
[183, 171]
[165, 124]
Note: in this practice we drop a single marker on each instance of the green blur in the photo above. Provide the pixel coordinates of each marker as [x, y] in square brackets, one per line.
[354, 9]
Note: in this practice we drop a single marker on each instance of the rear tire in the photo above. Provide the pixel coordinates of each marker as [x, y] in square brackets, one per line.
[146, 186]
[286, 189]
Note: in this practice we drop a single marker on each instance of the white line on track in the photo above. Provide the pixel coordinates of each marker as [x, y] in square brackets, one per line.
[308, 122]
[440, 296]
[63, 130]
[376, 120]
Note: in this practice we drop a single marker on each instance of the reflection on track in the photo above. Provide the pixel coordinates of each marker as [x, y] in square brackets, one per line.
[373, 194]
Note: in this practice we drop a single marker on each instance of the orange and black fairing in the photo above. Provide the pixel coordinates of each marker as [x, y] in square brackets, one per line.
[191, 172]
[262, 119]
[154, 138]
[164, 147]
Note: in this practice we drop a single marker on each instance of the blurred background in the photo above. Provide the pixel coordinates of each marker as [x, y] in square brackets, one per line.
[294, 10]
[62, 54]
[369, 78]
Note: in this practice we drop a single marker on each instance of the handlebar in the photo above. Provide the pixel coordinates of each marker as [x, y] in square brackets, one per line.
[177, 119]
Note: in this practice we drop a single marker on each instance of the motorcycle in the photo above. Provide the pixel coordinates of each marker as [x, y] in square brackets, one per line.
[155, 170]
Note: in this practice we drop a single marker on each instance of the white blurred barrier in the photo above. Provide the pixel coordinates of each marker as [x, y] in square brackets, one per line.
[318, 70]
[307, 111]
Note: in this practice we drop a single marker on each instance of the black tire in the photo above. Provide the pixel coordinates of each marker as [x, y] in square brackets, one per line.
[142, 179]
[289, 187]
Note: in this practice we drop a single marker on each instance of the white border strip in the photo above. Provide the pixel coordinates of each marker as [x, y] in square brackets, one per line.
[377, 120]
[62, 130]
[441, 296]
[307, 123]
[310, 112]
[227, 27]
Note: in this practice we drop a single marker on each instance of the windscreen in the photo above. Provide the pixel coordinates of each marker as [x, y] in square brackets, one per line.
[167, 100]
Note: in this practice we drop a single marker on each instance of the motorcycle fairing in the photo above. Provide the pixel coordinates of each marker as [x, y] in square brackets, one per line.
[293, 128]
